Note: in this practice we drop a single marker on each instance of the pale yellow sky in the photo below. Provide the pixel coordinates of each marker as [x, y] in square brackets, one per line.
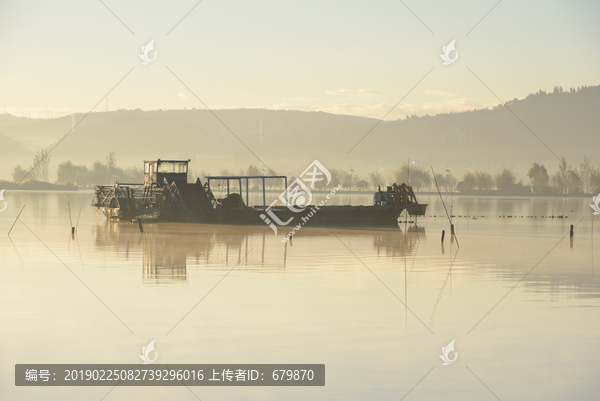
[346, 57]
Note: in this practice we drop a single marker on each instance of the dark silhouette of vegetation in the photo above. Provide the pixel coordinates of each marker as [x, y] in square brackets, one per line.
[78, 175]
[567, 180]
[376, 179]
[415, 176]
[445, 182]
[362, 185]
[506, 180]
[539, 178]
[99, 173]
[583, 179]
[38, 170]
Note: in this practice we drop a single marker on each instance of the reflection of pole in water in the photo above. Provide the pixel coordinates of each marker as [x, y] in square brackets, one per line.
[406, 280]
[571, 235]
[448, 276]
[246, 250]
[405, 289]
[263, 250]
[285, 254]
[16, 250]
[226, 252]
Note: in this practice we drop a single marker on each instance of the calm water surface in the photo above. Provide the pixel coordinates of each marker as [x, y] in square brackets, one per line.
[375, 306]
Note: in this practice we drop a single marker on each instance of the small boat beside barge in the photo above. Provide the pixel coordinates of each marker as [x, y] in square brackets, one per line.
[166, 195]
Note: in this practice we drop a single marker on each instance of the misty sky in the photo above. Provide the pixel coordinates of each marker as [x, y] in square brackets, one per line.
[347, 57]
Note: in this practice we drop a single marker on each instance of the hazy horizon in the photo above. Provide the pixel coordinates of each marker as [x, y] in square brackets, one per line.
[49, 114]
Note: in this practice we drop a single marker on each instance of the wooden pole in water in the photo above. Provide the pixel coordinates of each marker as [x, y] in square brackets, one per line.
[140, 225]
[71, 220]
[15, 222]
[571, 233]
[446, 210]
[443, 233]
[80, 207]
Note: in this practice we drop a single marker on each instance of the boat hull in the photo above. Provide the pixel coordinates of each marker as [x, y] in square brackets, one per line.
[314, 216]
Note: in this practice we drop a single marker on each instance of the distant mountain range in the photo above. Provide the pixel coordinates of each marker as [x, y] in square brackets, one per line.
[566, 123]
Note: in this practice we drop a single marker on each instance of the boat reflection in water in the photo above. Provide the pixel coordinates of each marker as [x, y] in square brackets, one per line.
[398, 243]
[162, 261]
[167, 250]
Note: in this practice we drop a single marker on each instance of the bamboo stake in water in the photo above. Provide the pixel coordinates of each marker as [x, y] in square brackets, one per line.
[70, 220]
[80, 207]
[442, 199]
[15, 222]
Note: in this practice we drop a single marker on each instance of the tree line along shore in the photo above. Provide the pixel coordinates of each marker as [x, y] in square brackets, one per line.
[569, 180]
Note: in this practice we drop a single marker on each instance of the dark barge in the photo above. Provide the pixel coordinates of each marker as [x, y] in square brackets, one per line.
[166, 195]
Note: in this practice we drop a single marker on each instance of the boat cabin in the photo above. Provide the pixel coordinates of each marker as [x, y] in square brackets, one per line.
[155, 171]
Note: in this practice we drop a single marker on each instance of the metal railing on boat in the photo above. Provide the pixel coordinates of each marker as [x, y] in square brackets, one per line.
[239, 178]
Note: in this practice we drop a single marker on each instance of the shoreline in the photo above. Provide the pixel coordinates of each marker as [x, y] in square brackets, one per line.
[46, 186]
[37, 186]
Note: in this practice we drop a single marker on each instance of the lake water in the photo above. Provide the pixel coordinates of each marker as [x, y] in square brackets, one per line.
[520, 297]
